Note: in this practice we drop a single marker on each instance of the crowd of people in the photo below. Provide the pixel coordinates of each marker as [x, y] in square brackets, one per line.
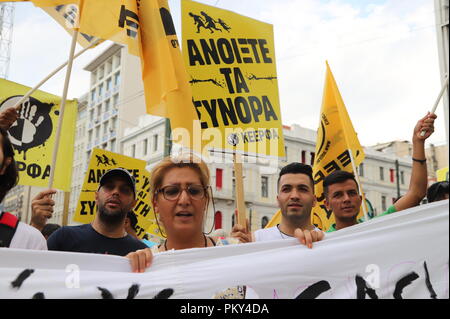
[181, 194]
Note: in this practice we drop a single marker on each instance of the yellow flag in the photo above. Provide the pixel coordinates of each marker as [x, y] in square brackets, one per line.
[276, 219]
[68, 17]
[336, 138]
[232, 67]
[146, 27]
[164, 72]
[102, 161]
[33, 135]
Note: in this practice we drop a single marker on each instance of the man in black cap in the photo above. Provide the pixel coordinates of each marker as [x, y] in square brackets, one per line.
[115, 197]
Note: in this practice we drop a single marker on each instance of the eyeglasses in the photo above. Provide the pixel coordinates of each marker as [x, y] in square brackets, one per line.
[173, 192]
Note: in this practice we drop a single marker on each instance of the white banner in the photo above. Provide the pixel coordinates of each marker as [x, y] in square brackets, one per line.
[404, 255]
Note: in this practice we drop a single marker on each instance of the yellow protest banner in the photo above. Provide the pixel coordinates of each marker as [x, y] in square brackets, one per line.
[232, 67]
[442, 174]
[101, 161]
[33, 135]
[335, 139]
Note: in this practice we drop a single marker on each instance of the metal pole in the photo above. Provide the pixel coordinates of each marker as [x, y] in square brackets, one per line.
[397, 170]
[168, 139]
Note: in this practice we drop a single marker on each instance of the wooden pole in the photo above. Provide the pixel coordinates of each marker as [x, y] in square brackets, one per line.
[62, 108]
[240, 201]
[66, 209]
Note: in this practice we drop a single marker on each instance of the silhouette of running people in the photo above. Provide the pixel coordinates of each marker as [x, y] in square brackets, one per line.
[224, 25]
[210, 22]
[99, 160]
[106, 160]
[198, 21]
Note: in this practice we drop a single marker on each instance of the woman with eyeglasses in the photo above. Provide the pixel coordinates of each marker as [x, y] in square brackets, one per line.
[180, 198]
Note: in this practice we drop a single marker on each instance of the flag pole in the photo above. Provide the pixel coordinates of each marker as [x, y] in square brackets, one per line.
[433, 110]
[62, 108]
[240, 202]
[366, 216]
[18, 104]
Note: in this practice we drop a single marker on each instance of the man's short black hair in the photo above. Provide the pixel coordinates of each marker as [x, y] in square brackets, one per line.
[133, 219]
[49, 229]
[338, 177]
[297, 168]
[437, 191]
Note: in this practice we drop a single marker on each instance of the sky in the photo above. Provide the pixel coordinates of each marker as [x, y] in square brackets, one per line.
[383, 54]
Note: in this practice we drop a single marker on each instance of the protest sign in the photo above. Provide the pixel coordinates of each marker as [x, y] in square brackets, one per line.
[231, 62]
[33, 135]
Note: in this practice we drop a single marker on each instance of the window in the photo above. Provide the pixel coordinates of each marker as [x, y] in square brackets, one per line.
[381, 173]
[113, 145]
[383, 203]
[361, 170]
[108, 84]
[117, 79]
[392, 175]
[116, 100]
[107, 104]
[100, 90]
[218, 220]
[303, 157]
[92, 95]
[105, 129]
[265, 186]
[114, 123]
[133, 150]
[219, 176]
[264, 221]
[155, 142]
[313, 155]
[145, 146]
[286, 153]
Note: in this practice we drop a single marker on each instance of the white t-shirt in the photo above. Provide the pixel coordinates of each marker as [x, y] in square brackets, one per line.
[28, 237]
[272, 233]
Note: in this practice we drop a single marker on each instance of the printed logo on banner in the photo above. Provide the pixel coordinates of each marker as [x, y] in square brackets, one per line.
[34, 126]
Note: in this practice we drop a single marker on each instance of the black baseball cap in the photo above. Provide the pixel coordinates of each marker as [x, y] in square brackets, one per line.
[119, 172]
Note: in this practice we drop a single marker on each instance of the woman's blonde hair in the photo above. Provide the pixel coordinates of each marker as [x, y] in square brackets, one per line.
[185, 160]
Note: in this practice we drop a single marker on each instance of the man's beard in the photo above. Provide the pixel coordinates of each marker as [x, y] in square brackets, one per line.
[296, 219]
[111, 218]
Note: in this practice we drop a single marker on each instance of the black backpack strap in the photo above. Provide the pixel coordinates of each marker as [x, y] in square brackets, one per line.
[8, 226]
